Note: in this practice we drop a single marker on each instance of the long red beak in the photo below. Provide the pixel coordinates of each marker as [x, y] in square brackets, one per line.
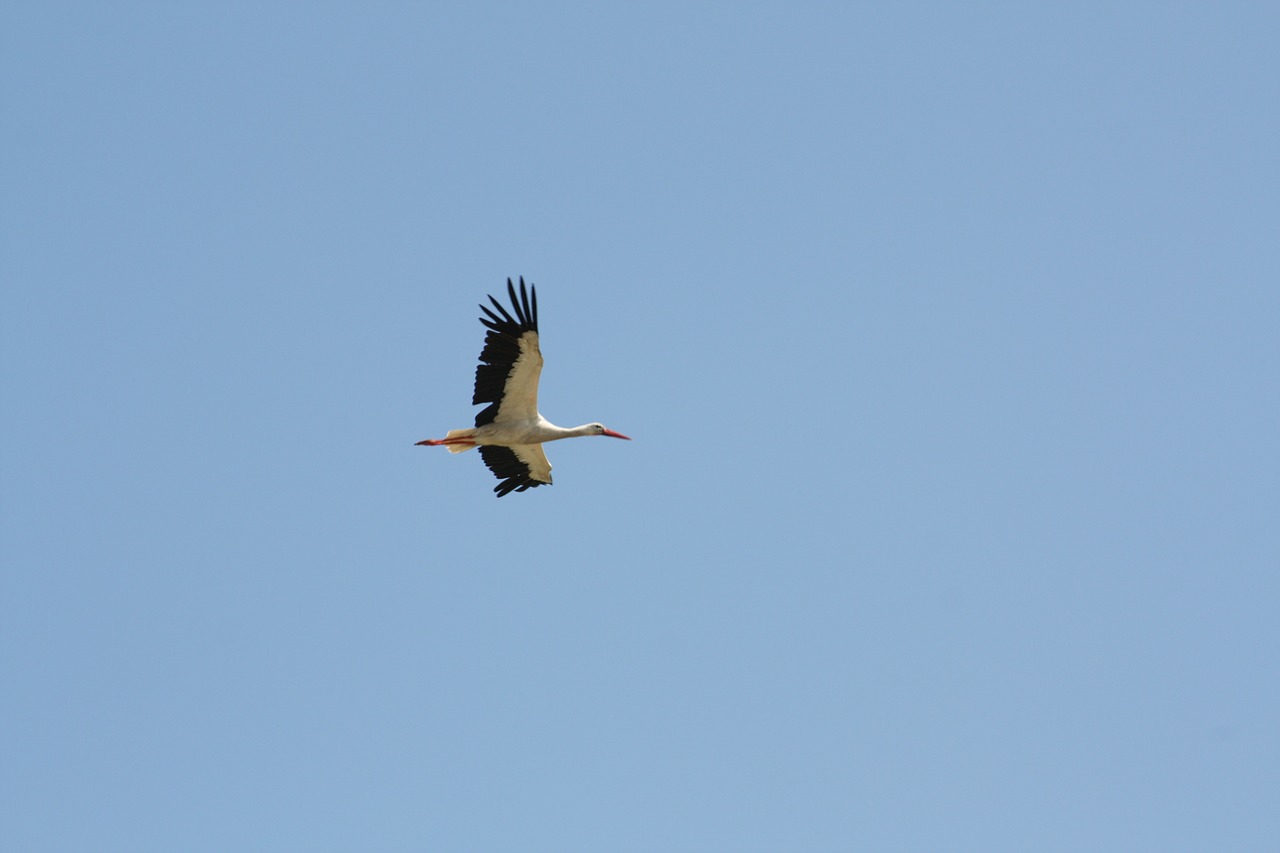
[613, 434]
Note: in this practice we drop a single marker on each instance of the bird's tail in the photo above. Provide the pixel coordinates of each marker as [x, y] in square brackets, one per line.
[457, 440]
[459, 433]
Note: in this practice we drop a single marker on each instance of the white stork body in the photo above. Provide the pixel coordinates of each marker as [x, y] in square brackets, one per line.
[509, 431]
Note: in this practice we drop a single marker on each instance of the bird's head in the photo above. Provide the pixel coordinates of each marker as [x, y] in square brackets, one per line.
[600, 429]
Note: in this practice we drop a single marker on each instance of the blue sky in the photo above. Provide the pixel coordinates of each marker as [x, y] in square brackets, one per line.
[947, 336]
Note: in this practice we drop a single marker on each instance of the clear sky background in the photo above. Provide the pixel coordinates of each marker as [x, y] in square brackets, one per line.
[948, 335]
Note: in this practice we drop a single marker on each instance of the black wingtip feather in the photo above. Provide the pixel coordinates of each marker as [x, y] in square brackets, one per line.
[506, 318]
[515, 303]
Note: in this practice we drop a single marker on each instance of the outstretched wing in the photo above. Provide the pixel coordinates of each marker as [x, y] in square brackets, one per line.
[519, 467]
[510, 363]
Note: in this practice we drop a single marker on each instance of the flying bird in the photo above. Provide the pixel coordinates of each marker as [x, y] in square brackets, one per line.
[509, 431]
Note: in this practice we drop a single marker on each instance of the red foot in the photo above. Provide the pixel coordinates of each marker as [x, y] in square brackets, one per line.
[436, 442]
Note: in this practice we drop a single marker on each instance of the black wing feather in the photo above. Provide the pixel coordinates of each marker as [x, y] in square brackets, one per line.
[508, 468]
[502, 347]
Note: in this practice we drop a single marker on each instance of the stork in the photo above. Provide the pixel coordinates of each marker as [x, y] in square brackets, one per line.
[509, 431]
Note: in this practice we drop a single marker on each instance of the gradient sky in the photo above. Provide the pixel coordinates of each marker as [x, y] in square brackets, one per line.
[948, 335]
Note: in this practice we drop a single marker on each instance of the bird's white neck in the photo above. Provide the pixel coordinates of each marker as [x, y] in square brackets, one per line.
[570, 432]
